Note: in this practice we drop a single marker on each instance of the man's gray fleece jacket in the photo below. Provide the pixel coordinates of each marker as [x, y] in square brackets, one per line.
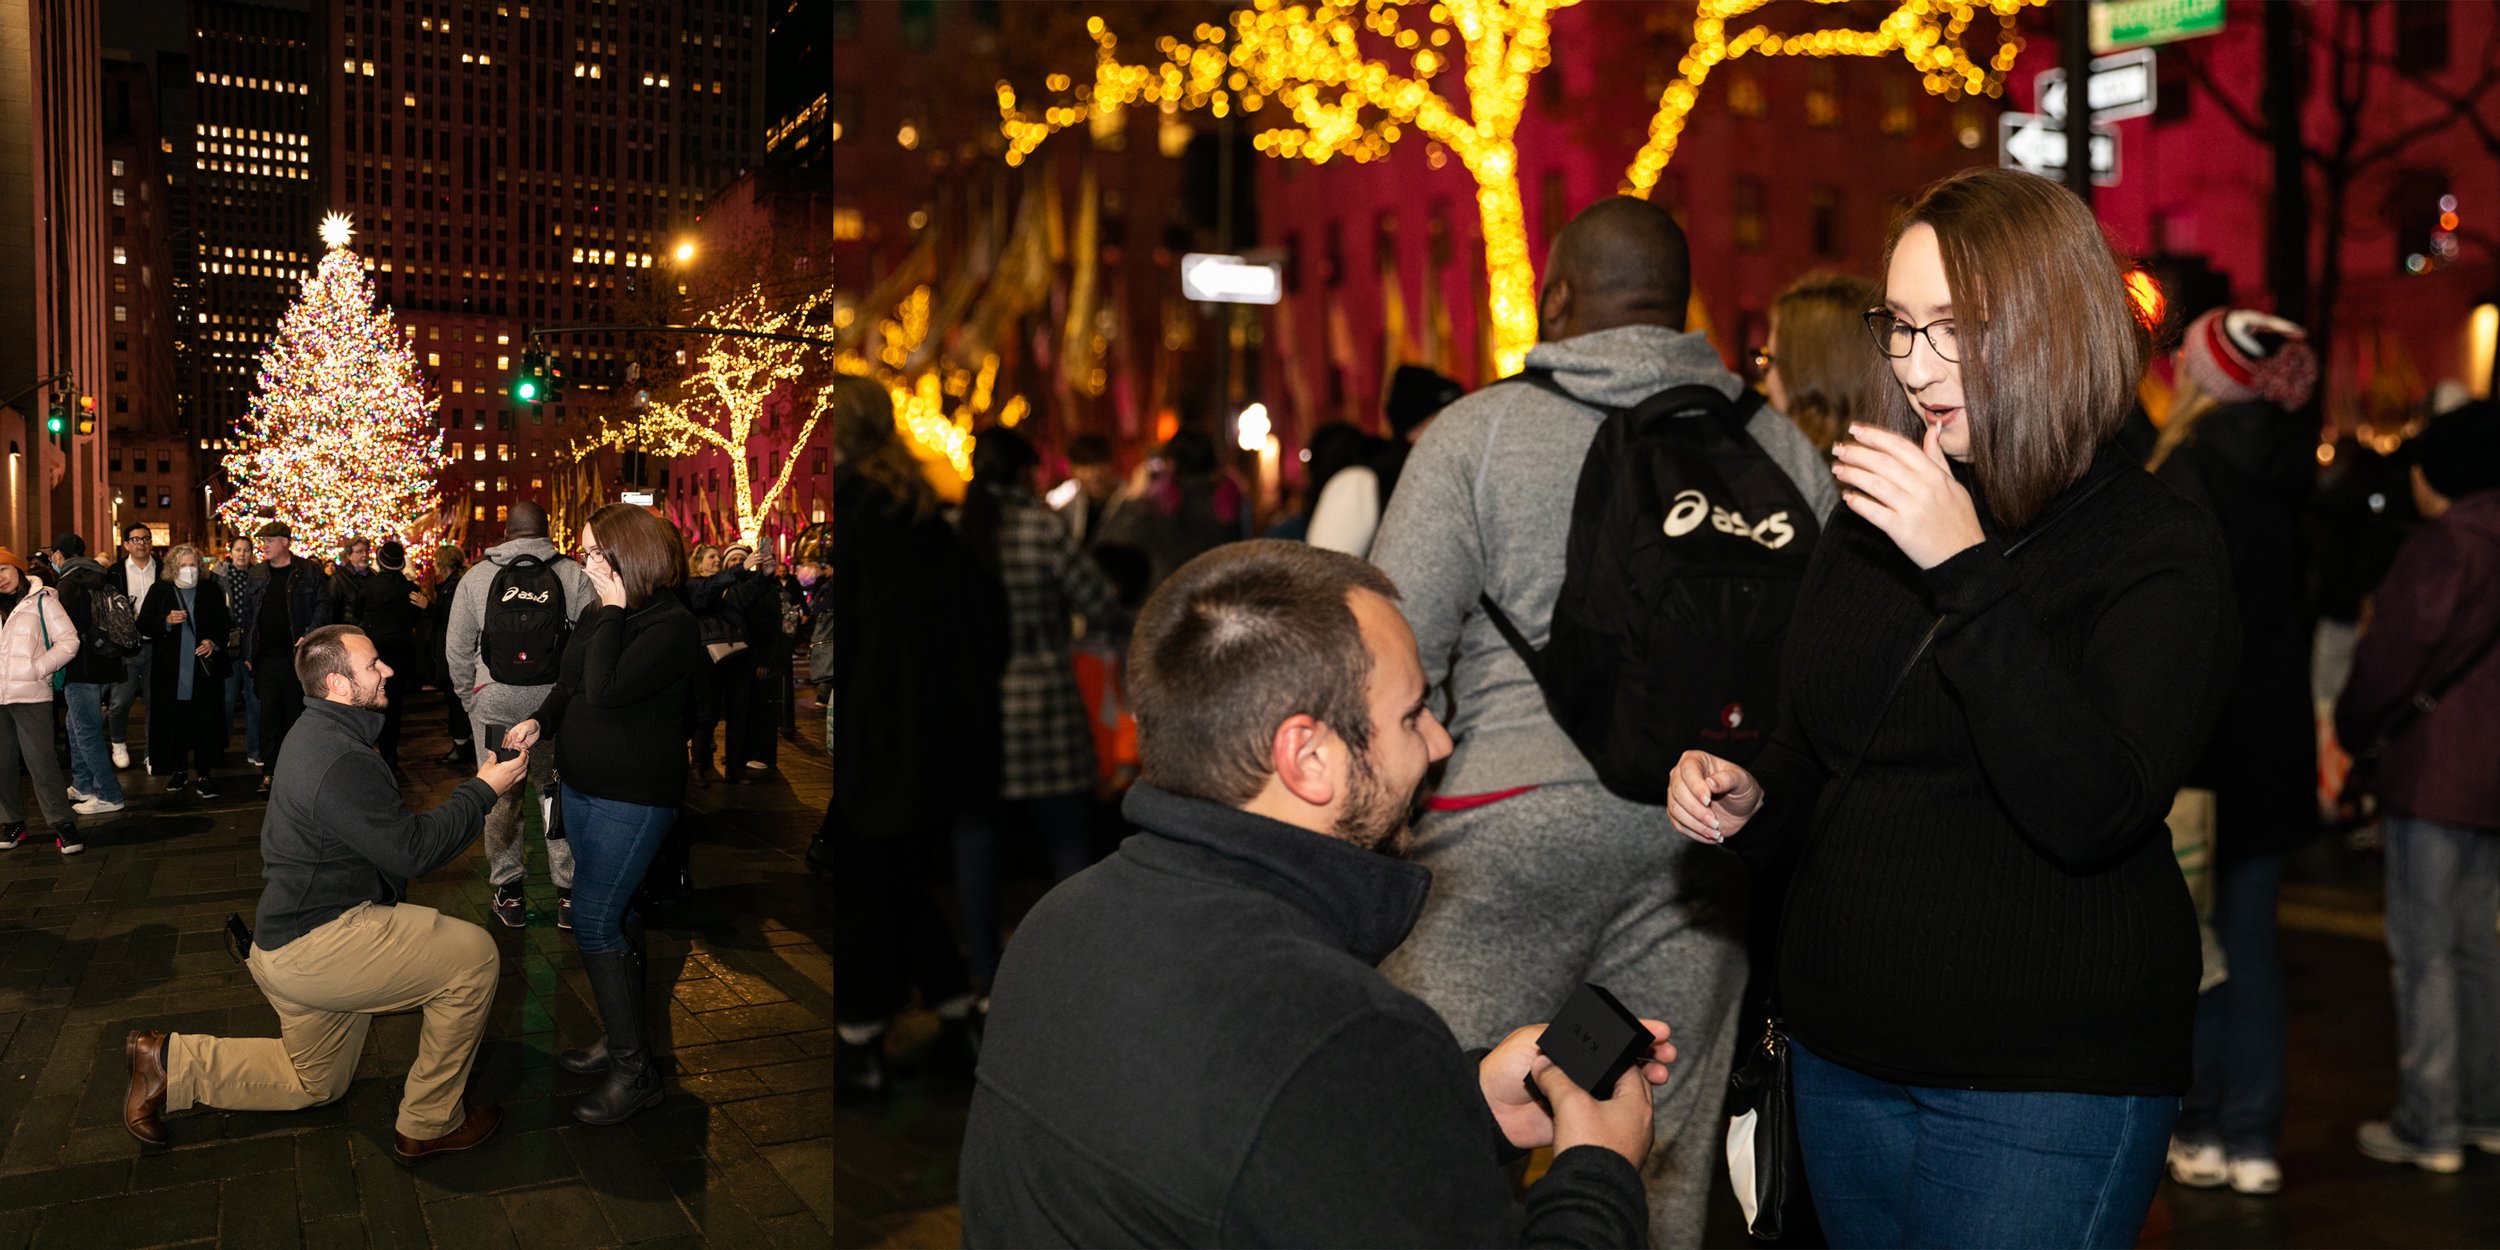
[1484, 506]
[486, 699]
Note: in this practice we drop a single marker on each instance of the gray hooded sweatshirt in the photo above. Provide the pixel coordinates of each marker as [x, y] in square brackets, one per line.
[486, 699]
[1484, 506]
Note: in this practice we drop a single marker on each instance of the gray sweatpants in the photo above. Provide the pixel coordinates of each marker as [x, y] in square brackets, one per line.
[1535, 894]
[26, 733]
[507, 845]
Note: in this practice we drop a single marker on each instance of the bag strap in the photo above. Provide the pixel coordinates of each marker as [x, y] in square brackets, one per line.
[2425, 701]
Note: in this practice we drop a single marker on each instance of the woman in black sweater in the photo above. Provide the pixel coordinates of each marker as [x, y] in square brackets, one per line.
[622, 707]
[1989, 960]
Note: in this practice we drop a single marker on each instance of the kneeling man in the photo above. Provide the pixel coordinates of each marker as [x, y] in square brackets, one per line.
[1190, 1044]
[337, 945]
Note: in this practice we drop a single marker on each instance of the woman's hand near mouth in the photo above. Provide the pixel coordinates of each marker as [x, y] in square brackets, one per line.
[1908, 491]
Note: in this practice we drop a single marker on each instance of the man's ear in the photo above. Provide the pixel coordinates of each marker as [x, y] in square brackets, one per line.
[1301, 753]
[1553, 306]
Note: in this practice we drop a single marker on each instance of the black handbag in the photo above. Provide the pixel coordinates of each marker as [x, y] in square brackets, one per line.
[1762, 1085]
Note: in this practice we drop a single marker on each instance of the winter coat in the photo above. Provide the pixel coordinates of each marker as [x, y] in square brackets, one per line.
[2441, 601]
[924, 640]
[211, 621]
[308, 603]
[26, 662]
[2252, 466]
[80, 579]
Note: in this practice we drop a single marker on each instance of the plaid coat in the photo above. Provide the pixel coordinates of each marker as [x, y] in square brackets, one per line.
[1048, 749]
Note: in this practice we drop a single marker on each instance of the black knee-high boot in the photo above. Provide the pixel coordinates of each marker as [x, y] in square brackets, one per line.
[633, 1075]
[594, 1057]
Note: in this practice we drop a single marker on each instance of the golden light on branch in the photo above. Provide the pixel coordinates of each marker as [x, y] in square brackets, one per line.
[1328, 68]
[1929, 34]
[724, 396]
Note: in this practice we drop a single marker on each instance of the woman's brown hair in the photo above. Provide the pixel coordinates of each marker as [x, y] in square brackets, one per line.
[2051, 348]
[1831, 378]
[650, 555]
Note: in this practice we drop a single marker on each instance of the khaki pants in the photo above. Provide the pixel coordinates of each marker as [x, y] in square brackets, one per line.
[326, 987]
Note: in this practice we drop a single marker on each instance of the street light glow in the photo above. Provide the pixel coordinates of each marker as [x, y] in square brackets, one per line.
[1252, 429]
[685, 251]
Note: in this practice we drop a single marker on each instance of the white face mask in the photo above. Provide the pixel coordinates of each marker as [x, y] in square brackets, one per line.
[187, 576]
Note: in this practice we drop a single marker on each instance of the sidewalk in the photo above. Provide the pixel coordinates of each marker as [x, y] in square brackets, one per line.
[128, 935]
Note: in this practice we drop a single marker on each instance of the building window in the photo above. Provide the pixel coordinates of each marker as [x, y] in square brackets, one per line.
[121, 255]
[118, 195]
[121, 403]
[1822, 95]
[1824, 224]
[2421, 38]
[1746, 194]
[1744, 96]
[1900, 119]
[121, 312]
[117, 172]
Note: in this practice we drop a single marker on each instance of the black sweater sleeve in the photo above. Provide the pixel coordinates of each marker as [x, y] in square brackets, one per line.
[1381, 1138]
[361, 803]
[2086, 751]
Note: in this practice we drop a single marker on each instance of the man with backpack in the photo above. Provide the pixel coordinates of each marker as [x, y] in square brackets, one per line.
[134, 573]
[1637, 520]
[502, 646]
[283, 599]
[108, 633]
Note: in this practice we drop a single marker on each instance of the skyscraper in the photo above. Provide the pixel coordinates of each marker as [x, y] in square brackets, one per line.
[517, 165]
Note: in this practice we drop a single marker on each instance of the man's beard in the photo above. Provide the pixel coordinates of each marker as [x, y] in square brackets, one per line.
[1374, 818]
[374, 700]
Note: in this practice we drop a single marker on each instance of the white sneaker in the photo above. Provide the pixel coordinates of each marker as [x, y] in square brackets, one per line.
[2378, 1140]
[93, 806]
[77, 795]
[2256, 1176]
[2198, 1167]
[2486, 1140]
[121, 755]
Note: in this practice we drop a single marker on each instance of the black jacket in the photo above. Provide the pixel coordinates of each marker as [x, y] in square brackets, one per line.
[1993, 902]
[1190, 1045]
[2253, 467]
[623, 703]
[382, 608]
[338, 834]
[308, 603]
[211, 622]
[80, 579]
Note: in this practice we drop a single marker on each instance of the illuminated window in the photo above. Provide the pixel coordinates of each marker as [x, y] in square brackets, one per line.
[118, 170]
[1744, 96]
[119, 197]
[120, 256]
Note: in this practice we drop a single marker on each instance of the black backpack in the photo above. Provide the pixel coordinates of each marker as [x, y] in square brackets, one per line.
[526, 623]
[1688, 545]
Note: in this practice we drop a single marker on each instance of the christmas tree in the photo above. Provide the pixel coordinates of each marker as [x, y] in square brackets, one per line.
[340, 440]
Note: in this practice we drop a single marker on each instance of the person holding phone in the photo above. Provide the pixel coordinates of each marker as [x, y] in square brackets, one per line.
[1989, 962]
[620, 709]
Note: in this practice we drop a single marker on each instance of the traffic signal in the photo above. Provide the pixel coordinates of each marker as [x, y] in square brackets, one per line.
[56, 419]
[540, 380]
[86, 414]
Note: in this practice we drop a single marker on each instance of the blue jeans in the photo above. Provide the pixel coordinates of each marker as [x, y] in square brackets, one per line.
[2237, 1103]
[2443, 899]
[130, 689]
[1906, 1165]
[239, 690]
[1065, 825]
[90, 760]
[612, 847]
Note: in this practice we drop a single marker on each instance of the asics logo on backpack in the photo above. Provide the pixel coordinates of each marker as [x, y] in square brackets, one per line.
[1691, 507]
[514, 592]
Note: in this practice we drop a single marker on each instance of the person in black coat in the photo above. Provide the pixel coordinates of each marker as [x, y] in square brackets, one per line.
[186, 623]
[391, 609]
[923, 641]
[448, 562]
[2238, 444]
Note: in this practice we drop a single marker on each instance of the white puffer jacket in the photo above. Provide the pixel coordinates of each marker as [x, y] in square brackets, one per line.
[26, 664]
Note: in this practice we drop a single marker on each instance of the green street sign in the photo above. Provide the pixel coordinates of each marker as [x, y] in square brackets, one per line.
[2118, 24]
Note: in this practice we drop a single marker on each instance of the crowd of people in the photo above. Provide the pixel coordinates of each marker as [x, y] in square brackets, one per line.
[595, 676]
[2025, 634]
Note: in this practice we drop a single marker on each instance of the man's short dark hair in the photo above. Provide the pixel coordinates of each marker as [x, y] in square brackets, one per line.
[526, 520]
[1235, 643]
[70, 545]
[321, 653]
[136, 528]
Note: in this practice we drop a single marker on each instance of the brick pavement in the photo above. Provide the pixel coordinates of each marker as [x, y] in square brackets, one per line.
[128, 934]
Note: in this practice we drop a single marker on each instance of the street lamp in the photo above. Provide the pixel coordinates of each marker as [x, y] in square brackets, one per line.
[685, 250]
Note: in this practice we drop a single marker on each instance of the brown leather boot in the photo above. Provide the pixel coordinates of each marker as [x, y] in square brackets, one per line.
[144, 1103]
[477, 1127]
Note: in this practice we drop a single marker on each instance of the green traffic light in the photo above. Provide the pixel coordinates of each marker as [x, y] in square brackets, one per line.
[55, 424]
[528, 391]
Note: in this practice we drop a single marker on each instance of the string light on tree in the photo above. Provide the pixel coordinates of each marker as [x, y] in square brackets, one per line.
[719, 404]
[339, 441]
[1354, 77]
[1930, 34]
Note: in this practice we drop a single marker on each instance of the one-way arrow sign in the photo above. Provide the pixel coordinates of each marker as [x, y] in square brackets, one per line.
[2036, 144]
[2123, 86]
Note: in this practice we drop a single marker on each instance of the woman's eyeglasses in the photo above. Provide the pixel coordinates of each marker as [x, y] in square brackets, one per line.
[1897, 338]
